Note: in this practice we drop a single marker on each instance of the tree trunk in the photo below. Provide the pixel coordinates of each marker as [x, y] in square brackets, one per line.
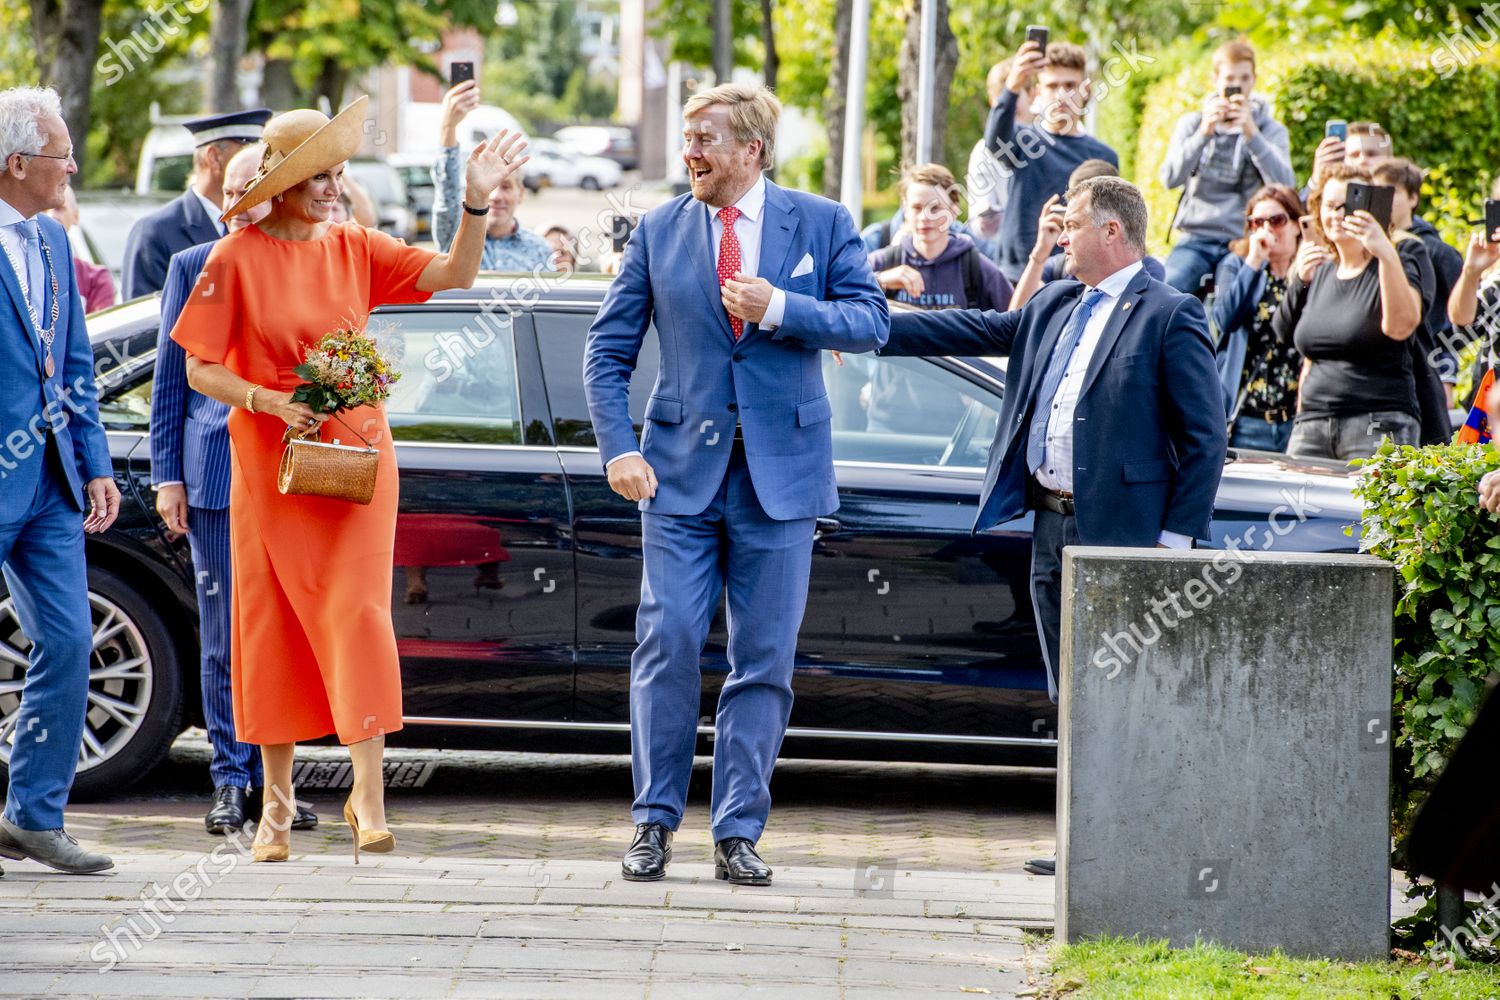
[768, 39]
[67, 43]
[835, 101]
[946, 62]
[331, 82]
[226, 49]
[278, 91]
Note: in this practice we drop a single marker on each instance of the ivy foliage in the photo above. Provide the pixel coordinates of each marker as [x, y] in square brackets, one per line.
[1421, 513]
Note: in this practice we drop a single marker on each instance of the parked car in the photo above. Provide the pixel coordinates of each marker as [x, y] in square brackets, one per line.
[382, 182]
[553, 164]
[613, 141]
[416, 174]
[166, 158]
[515, 603]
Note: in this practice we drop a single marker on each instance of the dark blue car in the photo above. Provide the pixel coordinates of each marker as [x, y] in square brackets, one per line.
[518, 571]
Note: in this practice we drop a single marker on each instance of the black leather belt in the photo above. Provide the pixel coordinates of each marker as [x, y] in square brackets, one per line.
[1054, 500]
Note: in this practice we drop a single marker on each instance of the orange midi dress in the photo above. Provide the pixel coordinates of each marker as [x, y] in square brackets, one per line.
[312, 647]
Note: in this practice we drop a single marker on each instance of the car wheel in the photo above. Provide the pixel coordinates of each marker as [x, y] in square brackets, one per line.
[135, 689]
[589, 183]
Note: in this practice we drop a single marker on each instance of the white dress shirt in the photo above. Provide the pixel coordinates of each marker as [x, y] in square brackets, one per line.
[1056, 472]
[15, 246]
[214, 211]
[747, 229]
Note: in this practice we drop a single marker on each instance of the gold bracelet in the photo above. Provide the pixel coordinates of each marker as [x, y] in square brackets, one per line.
[250, 398]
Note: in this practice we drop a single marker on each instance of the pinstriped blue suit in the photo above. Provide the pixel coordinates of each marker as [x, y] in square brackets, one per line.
[54, 444]
[190, 445]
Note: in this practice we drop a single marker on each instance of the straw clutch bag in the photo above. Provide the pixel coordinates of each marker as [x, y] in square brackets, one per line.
[310, 467]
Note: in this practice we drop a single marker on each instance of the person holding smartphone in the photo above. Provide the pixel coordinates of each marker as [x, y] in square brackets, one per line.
[1220, 156]
[1350, 306]
[1260, 373]
[1474, 303]
[508, 245]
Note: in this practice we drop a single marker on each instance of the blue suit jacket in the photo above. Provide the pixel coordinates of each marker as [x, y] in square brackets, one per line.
[770, 381]
[68, 402]
[1149, 440]
[189, 431]
[177, 225]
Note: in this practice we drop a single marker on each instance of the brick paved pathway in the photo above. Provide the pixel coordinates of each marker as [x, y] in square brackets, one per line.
[892, 880]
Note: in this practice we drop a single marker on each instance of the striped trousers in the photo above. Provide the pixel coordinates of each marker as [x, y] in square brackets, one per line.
[234, 763]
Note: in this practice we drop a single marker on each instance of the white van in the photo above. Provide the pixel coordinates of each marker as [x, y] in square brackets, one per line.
[166, 156]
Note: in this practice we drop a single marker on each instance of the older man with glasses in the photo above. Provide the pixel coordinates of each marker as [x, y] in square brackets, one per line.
[55, 456]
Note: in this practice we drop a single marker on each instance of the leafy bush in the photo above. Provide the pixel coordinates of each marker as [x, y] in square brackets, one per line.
[1445, 125]
[1421, 513]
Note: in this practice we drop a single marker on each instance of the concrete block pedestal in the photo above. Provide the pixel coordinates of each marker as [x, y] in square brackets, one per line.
[1224, 749]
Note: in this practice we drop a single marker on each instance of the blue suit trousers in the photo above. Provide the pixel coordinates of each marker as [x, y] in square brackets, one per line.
[233, 763]
[689, 561]
[41, 547]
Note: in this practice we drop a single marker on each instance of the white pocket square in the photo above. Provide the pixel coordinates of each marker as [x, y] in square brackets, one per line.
[804, 266]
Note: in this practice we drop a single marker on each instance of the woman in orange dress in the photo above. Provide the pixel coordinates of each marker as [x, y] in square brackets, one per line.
[313, 650]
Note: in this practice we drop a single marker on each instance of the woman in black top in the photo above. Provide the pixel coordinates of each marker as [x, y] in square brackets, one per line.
[1259, 372]
[1350, 311]
[1474, 303]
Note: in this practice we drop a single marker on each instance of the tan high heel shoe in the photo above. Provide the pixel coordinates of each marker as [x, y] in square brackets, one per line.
[374, 841]
[269, 852]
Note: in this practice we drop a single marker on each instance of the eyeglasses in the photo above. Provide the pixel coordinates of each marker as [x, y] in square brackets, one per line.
[1274, 221]
[52, 156]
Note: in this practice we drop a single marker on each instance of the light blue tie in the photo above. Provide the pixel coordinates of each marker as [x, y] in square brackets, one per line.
[1057, 366]
[32, 248]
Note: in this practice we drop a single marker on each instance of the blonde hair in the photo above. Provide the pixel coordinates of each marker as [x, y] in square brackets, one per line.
[1237, 51]
[753, 113]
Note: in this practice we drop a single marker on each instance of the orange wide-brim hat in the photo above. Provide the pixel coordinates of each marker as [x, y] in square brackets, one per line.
[301, 144]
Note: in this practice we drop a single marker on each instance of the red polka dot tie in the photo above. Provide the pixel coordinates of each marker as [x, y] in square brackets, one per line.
[729, 258]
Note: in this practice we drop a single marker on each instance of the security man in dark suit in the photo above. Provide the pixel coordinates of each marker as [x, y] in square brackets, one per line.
[1113, 430]
[193, 217]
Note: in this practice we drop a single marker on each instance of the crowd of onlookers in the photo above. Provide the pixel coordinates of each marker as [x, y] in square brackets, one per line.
[1334, 328]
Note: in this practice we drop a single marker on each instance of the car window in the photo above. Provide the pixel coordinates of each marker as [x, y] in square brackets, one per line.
[561, 337]
[908, 411]
[458, 376]
[129, 408]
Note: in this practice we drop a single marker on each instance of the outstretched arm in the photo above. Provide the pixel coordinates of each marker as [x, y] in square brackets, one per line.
[961, 332]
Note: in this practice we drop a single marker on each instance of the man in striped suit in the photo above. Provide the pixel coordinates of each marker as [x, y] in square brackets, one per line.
[190, 470]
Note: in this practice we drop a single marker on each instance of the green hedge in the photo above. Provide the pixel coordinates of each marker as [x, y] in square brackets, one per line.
[1421, 513]
[1447, 126]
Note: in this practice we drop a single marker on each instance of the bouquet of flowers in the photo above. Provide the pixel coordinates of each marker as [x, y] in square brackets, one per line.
[343, 370]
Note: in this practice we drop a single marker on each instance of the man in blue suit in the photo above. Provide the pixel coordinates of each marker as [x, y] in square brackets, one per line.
[1113, 424]
[746, 282]
[192, 217]
[54, 455]
[190, 471]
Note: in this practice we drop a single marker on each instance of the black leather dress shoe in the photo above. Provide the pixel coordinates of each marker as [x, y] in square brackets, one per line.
[228, 811]
[1041, 866]
[305, 819]
[650, 853]
[736, 862]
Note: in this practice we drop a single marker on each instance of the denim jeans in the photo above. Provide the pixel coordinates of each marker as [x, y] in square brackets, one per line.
[1193, 258]
[1354, 436]
[1260, 434]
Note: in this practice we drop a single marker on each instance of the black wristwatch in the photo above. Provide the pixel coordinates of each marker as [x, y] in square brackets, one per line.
[476, 211]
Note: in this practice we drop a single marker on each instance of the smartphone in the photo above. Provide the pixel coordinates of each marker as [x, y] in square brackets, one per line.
[1308, 232]
[1491, 218]
[458, 72]
[620, 228]
[1373, 198]
[1338, 128]
[1233, 91]
[1037, 33]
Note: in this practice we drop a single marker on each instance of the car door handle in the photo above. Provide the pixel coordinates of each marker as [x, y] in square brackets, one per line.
[826, 526]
